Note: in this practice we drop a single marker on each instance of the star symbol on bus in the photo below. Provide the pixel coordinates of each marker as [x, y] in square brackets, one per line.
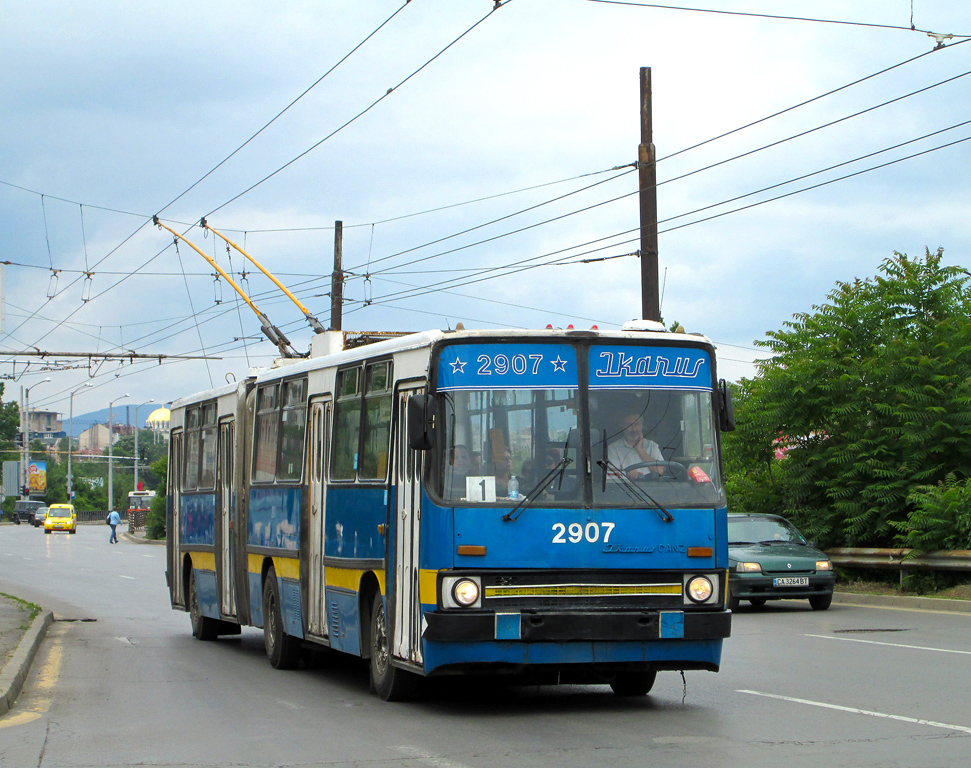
[559, 365]
[458, 366]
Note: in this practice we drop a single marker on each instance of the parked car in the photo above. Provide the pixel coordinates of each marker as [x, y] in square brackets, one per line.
[23, 510]
[769, 559]
[37, 518]
[61, 517]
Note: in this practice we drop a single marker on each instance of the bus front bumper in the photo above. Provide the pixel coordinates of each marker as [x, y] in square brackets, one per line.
[567, 626]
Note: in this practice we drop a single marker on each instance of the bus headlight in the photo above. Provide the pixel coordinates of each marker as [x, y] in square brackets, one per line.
[461, 592]
[699, 589]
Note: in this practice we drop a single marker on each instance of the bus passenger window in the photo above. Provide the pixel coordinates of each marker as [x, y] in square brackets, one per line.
[377, 422]
[347, 425]
[267, 433]
[294, 422]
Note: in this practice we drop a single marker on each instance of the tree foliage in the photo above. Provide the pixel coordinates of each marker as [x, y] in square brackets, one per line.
[868, 397]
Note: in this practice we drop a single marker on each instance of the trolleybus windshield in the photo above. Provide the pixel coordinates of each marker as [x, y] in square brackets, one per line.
[514, 412]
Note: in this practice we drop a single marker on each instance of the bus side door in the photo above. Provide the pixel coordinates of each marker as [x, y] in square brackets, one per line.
[319, 431]
[227, 511]
[407, 515]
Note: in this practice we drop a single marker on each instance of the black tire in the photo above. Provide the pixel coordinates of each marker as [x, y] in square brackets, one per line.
[387, 680]
[758, 602]
[634, 683]
[203, 627]
[16, 519]
[821, 602]
[74, 530]
[733, 602]
[282, 650]
[47, 530]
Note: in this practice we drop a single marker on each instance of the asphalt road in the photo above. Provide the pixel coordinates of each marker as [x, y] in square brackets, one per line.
[119, 681]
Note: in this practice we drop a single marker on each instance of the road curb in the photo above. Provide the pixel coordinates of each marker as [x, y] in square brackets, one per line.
[14, 672]
[901, 601]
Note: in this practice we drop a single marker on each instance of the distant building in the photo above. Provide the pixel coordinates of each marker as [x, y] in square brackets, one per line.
[93, 440]
[158, 421]
[45, 426]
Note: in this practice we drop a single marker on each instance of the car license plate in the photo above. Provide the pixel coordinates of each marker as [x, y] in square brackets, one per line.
[791, 581]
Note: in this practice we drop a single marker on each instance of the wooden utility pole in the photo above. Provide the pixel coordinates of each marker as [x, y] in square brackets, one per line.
[647, 181]
[337, 278]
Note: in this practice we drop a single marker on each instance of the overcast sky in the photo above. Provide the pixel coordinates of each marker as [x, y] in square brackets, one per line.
[506, 139]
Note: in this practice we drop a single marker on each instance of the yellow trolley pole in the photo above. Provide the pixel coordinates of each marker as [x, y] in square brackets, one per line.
[314, 322]
[271, 332]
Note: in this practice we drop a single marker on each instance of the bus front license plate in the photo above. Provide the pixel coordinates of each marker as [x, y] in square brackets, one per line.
[791, 581]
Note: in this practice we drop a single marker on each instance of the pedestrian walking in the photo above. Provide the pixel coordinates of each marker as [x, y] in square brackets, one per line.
[113, 520]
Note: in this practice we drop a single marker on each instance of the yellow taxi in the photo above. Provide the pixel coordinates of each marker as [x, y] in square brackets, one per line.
[61, 517]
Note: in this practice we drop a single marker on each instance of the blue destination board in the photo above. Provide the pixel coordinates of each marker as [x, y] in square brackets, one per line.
[626, 367]
[507, 366]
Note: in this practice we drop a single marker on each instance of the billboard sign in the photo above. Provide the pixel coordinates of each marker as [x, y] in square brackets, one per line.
[37, 476]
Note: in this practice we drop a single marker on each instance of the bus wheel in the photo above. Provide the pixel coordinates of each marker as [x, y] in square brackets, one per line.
[282, 650]
[388, 681]
[203, 628]
[633, 683]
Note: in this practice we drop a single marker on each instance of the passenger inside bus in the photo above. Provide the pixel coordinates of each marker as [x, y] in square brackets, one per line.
[634, 448]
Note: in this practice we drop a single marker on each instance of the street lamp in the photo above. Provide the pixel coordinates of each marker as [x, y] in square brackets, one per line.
[26, 433]
[137, 427]
[70, 444]
[111, 486]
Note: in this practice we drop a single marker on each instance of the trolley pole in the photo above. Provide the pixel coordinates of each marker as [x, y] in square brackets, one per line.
[647, 181]
[337, 278]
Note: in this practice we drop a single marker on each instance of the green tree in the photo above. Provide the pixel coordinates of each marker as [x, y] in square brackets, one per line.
[870, 397]
[155, 520]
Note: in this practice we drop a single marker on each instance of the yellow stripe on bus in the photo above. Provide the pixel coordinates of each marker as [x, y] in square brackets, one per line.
[285, 567]
[428, 587]
[350, 578]
[204, 561]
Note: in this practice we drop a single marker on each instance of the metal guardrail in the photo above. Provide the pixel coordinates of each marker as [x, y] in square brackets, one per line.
[902, 560]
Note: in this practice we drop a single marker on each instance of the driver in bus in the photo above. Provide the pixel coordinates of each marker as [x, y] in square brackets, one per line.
[633, 448]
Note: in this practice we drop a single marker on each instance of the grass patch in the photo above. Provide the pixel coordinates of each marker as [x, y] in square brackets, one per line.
[32, 609]
[957, 589]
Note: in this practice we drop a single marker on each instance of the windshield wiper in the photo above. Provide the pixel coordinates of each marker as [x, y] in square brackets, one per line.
[530, 497]
[634, 491]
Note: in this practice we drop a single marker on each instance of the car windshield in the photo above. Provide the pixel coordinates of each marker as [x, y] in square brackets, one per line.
[55, 512]
[750, 530]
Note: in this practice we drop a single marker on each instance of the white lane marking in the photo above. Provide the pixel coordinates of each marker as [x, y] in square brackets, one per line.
[122, 576]
[855, 711]
[892, 645]
[425, 757]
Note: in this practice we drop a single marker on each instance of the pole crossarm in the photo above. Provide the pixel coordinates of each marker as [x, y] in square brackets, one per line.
[315, 324]
[271, 332]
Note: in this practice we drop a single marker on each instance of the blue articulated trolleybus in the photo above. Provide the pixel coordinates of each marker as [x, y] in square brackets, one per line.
[547, 504]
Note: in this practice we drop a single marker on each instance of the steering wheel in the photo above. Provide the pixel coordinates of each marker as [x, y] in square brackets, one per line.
[677, 471]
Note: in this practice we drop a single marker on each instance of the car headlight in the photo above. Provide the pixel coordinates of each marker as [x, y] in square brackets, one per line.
[749, 568]
[824, 565]
[699, 589]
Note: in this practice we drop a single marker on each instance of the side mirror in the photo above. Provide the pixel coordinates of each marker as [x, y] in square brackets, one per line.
[726, 410]
[421, 422]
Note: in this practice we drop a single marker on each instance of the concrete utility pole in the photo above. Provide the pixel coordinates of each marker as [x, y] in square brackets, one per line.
[647, 181]
[70, 443]
[25, 397]
[337, 278]
[137, 427]
[111, 434]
